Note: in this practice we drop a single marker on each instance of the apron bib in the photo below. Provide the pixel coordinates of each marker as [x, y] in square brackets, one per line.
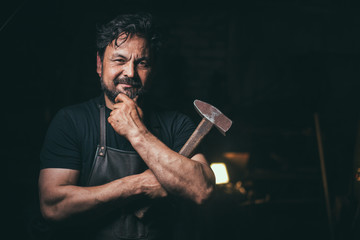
[111, 164]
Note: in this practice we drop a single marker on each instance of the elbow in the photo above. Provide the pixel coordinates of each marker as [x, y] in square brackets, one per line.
[206, 190]
[48, 214]
[51, 213]
[204, 195]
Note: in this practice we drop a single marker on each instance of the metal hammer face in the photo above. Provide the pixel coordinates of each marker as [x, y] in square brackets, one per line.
[213, 115]
[210, 116]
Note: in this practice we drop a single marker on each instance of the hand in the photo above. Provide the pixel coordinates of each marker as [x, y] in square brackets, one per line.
[150, 185]
[152, 188]
[126, 118]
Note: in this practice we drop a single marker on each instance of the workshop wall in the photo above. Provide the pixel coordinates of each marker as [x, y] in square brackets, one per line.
[268, 65]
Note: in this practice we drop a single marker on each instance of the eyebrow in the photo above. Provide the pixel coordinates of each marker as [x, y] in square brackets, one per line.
[136, 60]
[118, 55]
[142, 58]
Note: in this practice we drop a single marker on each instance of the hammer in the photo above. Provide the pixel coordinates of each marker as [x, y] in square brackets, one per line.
[210, 116]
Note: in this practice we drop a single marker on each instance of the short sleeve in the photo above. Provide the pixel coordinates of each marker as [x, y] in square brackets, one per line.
[61, 145]
[183, 127]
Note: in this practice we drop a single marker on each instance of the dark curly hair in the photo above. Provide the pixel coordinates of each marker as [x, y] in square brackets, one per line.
[140, 24]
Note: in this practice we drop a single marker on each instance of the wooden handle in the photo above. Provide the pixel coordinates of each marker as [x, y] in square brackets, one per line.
[202, 129]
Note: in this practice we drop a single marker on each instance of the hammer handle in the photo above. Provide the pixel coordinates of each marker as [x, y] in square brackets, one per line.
[202, 129]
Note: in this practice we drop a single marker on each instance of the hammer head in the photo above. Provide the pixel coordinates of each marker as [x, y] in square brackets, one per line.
[213, 115]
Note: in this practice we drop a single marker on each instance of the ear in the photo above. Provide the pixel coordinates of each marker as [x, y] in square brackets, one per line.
[98, 64]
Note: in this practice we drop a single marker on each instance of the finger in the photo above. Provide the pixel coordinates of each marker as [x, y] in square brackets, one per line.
[121, 97]
[117, 105]
[110, 120]
[139, 111]
[136, 98]
[124, 107]
[136, 118]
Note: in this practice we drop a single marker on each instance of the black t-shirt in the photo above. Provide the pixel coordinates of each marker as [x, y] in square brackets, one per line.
[74, 134]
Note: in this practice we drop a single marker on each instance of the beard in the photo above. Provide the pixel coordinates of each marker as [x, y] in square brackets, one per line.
[137, 88]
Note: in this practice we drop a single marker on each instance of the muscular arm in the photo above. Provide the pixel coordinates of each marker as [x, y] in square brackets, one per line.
[190, 178]
[61, 199]
[179, 175]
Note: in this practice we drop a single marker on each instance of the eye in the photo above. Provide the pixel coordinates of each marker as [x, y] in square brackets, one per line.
[143, 64]
[120, 60]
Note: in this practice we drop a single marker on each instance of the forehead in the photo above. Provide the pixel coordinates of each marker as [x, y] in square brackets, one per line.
[133, 44]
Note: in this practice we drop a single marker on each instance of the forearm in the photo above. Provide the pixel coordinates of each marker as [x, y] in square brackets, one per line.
[67, 201]
[179, 175]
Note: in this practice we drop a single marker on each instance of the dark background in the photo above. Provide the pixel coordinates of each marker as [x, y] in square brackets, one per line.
[268, 65]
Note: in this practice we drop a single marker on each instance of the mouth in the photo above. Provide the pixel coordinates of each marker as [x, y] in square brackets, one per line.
[127, 82]
[127, 86]
[123, 85]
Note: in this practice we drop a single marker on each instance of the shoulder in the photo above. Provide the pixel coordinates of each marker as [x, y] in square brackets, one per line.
[81, 109]
[174, 120]
[159, 112]
[72, 121]
[172, 127]
[77, 114]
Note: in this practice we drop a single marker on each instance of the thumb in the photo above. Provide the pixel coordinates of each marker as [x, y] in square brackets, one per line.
[140, 112]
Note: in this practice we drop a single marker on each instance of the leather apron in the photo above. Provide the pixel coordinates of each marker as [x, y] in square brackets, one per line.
[111, 164]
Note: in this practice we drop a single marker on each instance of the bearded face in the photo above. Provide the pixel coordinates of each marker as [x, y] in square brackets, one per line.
[124, 68]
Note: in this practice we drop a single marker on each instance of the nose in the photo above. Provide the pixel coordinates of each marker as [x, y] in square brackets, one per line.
[129, 69]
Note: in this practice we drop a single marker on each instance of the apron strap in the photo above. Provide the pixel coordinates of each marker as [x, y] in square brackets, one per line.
[102, 149]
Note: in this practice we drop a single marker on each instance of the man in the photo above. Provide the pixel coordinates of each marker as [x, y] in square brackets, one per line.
[110, 168]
